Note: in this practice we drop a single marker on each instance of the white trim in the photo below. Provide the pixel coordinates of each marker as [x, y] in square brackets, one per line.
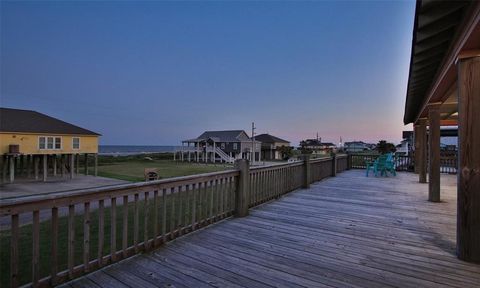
[73, 146]
[55, 143]
[44, 143]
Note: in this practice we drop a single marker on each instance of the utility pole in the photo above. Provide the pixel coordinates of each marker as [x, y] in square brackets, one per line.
[253, 143]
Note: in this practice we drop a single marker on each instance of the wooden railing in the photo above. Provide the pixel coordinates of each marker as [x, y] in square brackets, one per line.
[270, 182]
[402, 162]
[448, 162]
[56, 238]
[359, 161]
[127, 219]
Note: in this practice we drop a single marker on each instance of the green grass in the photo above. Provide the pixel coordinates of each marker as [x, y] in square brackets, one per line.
[25, 235]
[133, 169]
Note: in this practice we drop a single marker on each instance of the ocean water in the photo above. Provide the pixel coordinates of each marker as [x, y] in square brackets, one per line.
[123, 150]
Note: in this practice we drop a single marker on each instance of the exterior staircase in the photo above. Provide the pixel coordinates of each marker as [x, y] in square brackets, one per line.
[224, 156]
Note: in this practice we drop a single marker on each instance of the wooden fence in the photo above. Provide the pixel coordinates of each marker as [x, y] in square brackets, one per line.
[56, 238]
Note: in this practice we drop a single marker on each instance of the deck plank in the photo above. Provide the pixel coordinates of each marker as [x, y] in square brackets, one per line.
[345, 231]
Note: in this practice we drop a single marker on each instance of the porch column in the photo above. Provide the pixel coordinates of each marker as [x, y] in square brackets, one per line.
[72, 165]
[29, 166]
[95, 167]
[468, 198]
[86, 163]
[213, 153]
[36, 159]
[4, 169]
[45, 167]
[196, 151]
[55, 165]
[416, 148]
[421, 152]
[182, 151]
[62, 164]
[12, 168]
[434, 152]
[77, 166]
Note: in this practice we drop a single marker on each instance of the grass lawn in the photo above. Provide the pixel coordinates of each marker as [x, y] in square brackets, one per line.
[132, 170]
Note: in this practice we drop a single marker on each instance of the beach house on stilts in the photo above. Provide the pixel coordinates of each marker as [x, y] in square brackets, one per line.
[219, 146]
[34, 145]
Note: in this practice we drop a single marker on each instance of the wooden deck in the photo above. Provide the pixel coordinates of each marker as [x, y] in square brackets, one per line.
[348, 231]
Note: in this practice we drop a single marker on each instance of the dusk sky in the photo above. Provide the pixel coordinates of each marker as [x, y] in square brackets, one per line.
[154, 73]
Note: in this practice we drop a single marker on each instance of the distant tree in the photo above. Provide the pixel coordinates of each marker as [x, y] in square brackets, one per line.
[304, 149]
[384, 147]
[286, 152]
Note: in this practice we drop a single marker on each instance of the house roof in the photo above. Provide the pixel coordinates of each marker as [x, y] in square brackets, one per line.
[315, 142]
[267, 138]
[28, 121]
[435, 28]
[222, 136]
[355, 143]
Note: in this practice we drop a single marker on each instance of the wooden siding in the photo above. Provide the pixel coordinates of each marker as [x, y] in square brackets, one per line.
[29, 143]
[342, 232]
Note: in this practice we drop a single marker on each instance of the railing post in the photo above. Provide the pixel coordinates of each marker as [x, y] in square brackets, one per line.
[334, 164]
[349, 161]
[242, 193]
[307, 171]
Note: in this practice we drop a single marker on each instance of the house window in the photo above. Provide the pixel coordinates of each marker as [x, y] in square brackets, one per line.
[76, 143]
[222, 145]
[58, 142]
[49, 142]
[235, 146]
[41, 143]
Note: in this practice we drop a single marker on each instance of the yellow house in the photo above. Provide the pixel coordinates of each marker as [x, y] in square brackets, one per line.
[29, 137]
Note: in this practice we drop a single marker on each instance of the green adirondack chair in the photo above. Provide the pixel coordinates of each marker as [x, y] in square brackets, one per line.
[390, 164]
[378, 165]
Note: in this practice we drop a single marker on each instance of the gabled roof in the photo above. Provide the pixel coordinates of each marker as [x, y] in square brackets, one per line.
[28, 121]
[222, 136]
[267, 138]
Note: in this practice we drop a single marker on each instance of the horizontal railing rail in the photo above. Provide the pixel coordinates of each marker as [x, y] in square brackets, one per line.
[57, 237]
[448, 162]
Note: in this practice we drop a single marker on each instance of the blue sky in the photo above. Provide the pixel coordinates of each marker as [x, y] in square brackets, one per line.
[158, 72]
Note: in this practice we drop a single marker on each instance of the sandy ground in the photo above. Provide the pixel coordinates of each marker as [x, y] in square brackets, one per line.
[24, 187]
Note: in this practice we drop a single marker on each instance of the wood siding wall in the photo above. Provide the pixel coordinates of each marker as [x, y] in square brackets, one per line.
[29, 143]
